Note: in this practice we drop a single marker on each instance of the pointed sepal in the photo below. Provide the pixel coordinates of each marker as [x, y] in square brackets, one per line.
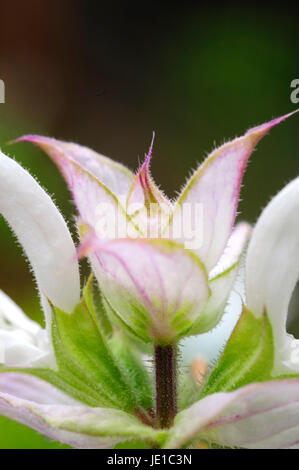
[247, 357]
[215, 186]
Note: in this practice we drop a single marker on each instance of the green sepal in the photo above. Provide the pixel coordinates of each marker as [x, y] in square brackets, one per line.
[111, 424]
[135, 333]
[82, 351]
[138, 341]
[97, 301]
[69, 375]
[134, 369]
[248, 356]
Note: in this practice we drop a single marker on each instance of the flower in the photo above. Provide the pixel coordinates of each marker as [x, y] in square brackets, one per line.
[176, 282]
[84, 383]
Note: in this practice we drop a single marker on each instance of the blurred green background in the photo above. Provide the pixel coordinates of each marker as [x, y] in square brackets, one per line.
[107, 74]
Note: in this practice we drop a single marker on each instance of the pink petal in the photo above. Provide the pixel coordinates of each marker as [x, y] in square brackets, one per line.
[92, 179]
[70, 425]
[112, 174]
[257, 416]
[37, 404]
[28, 387]
[191, 423]
[156, 287]
[216, 186]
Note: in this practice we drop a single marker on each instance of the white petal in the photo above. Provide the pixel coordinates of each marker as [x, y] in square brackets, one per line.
[23, 342]
[28, 387]
[192, 421]
[258, 416]
[233, 251]
[272, 267]
[12, 315]
[210, 345]
[20, 355]
[62, 419]
[222, 279]
[262, 416]
[42, 232]
[17, 352]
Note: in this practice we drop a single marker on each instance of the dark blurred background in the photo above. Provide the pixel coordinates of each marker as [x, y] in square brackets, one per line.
[107, 74]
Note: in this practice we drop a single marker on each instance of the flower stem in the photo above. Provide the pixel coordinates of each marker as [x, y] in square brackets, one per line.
[166, 393]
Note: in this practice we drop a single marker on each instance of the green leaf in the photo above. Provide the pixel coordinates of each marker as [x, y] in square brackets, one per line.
[83, 353]
[247, 357]
[134, 369]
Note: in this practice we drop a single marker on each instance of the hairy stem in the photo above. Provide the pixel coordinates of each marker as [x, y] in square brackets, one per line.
[166, 393]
